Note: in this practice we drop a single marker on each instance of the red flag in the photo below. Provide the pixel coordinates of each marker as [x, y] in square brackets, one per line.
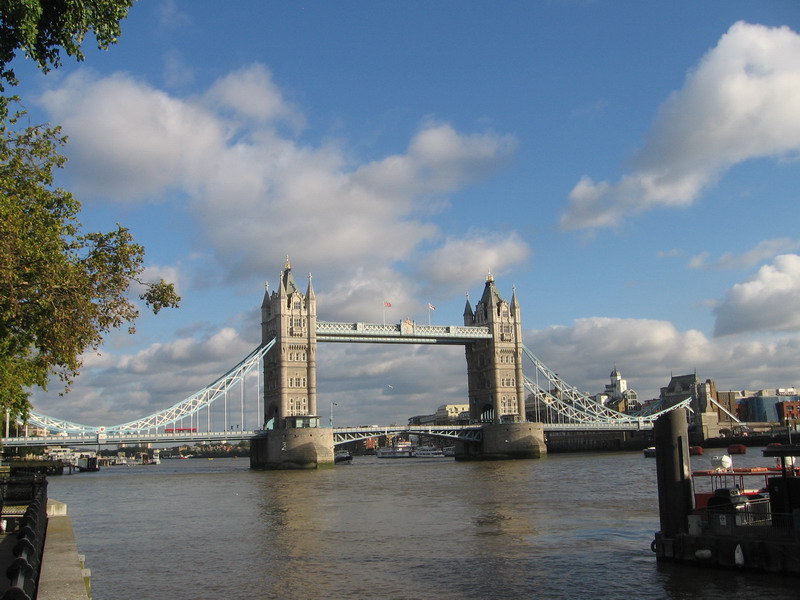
[387, 304]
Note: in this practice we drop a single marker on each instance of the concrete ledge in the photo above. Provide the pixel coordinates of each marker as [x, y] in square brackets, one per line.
[62, 571]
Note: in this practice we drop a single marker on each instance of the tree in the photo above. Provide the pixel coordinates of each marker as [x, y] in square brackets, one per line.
[42, 28]
[61, 290]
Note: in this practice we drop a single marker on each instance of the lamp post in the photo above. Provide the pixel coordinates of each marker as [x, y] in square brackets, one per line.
[331, 420]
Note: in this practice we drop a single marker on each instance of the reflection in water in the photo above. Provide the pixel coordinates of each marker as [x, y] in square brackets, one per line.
[567, 526]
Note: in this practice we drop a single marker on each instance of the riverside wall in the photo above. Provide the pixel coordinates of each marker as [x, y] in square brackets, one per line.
[597, 441]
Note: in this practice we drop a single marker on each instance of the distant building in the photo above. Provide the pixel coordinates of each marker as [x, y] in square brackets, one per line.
[769, 405]
[704, 417]
[446, 414]
[788, 410]
[618, 396]
[449, 414]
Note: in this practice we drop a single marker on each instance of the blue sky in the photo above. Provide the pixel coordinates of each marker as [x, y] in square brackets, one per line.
[631, 168]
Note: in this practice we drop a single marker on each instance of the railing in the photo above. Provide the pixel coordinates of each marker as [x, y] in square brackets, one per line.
[29, 528]
[405, 333]
[746, 518]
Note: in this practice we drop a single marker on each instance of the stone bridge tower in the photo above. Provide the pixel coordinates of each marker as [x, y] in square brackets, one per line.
[290, 368]
[494, 366]
[291, 437]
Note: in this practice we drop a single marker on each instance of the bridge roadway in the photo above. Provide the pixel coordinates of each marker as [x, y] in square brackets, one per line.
[341, 435]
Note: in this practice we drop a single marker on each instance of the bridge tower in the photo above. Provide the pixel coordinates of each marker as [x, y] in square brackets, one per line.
[290, 369]
[496, 383]
[494, 366]
[292, 436]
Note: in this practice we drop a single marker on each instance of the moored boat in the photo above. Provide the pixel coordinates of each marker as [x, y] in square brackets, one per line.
[398, 450]
[726, 516]
[428, 452]
[650, 452]
[341, 456]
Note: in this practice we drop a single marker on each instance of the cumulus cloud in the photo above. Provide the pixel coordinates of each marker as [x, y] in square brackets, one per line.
[765, 250]
[767, 302]
[455, 263]
[649, 352]
[129, 141]
[251, 93]
[114, 389]
[739, 103]
[256, 190]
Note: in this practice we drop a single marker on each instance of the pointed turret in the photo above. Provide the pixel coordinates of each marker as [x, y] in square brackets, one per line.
[310, 293]
[490, 295]
[469, 316]
[290, 287]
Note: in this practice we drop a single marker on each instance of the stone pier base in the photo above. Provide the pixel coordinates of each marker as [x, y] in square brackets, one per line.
[507, 441]
[307, 448]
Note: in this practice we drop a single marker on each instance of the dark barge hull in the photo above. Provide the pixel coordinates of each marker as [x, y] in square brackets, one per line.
[726, 539]
[757, 553]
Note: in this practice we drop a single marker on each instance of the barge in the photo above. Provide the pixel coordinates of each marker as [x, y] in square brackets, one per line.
[726, 517]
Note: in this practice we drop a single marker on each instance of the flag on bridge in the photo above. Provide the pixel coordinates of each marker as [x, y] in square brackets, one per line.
[431, 306]
[387, 304]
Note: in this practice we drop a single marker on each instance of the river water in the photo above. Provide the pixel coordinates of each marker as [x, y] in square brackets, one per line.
[566, 526]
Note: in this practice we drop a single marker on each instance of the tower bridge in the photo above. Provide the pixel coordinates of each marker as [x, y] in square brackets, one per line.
[289, 432]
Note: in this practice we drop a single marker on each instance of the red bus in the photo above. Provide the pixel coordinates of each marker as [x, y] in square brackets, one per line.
[181, 430]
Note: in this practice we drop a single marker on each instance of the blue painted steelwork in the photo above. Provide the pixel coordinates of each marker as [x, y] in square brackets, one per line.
[467, 433]
[578, 408]
[191, 405]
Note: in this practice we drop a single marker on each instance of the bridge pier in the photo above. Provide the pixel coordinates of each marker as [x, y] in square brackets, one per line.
[292, 448]
[505, 441]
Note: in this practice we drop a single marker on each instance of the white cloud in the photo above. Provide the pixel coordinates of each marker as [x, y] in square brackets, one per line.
[770, 301]
[114, 389]
[255, 190]
[649, 352]
[739, 103]
[128, 141]
[765, 250]
[455, 264]
[251, 93]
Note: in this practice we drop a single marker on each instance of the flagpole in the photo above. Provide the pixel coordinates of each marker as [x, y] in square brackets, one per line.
[386, 304]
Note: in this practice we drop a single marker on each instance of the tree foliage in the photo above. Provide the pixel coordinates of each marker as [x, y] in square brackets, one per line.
[61, 290]
[43, 28]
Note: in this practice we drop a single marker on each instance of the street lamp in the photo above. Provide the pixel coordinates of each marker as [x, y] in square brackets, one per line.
[332, 405]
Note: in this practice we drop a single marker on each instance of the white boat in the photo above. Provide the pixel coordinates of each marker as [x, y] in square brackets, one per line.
[428, 452]
[398, 450]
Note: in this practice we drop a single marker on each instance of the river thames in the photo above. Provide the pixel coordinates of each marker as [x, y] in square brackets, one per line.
[566, 526]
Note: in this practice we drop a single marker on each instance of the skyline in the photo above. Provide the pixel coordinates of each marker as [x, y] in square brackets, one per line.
[631, 169]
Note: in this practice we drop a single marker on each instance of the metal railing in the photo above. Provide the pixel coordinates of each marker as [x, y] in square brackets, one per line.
[752, 517]
[29, 529]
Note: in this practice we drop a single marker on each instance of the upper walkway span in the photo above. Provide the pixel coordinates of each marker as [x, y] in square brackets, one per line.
[406, 332]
